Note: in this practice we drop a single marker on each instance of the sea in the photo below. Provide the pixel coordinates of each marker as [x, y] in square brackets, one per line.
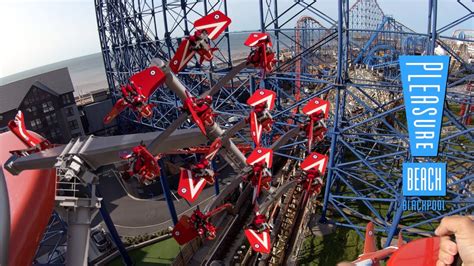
[88, 72]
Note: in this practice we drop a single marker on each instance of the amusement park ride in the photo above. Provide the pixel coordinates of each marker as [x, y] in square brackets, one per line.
[207, 28]
[292, 124]
[192, 181]
[135, 95]
[34, 143]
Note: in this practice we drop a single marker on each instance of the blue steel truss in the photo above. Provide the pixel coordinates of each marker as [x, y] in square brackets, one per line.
[352, 60]
[52, 248]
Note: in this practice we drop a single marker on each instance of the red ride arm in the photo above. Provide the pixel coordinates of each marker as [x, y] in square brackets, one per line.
[264, 53]
[124, 91]
[18, 128]
[218, 210]
[200, 107]
[139, 91]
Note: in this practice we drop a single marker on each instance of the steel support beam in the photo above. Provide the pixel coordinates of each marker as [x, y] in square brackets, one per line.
[79, 219]
[230, 152]
[113, 232]
[167, 193]
[103, 151]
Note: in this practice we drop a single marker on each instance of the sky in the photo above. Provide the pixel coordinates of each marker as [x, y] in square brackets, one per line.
[40, 32]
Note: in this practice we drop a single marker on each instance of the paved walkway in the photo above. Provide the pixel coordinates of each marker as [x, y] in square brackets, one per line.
[134, 217]
[320, 229]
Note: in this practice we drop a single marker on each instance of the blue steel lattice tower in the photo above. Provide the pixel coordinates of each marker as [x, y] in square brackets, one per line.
[352, 60]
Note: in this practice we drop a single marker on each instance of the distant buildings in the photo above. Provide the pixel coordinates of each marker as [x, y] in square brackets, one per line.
[47, 102]
[93, 107]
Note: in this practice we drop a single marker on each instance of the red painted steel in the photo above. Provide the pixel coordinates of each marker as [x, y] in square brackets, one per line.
[31, 197]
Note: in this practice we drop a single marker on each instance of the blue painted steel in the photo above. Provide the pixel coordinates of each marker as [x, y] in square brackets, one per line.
[367, 138]
[167, 193]
[371, 40]
[113, 232]
[434, 19]
[216, 178]
[53, 242]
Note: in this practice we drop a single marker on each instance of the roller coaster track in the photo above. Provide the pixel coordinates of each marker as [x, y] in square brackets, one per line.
[287, 232]
[323, 41]
[234, 238]
[229, 242]
[290, 214]
[230, 245]
[287, 225]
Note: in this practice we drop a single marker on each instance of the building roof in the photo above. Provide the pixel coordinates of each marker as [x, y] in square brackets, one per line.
[12, 94]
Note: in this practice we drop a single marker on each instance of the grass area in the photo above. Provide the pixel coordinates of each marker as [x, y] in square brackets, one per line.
[341, 245]
[160, 253]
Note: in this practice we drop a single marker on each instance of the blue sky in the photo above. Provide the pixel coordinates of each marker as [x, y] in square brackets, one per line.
[40, 32]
